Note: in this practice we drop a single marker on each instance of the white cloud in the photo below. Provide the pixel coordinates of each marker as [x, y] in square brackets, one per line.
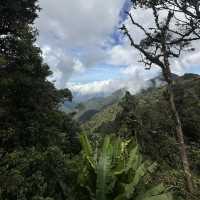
[122, 55]
[135, 74]
[132, 56]
[133, 83]
[92, 88]
[78, 66]
[187, 60]
[78, 23]
[62, 65]
[75, 31]
[72, 34]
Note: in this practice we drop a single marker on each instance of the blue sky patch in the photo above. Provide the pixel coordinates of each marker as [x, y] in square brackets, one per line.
[98, 73]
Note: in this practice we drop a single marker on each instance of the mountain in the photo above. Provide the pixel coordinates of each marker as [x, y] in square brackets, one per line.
[159, 80]
[152, 107]
[147, 117]
[86, 110]
[94, 106]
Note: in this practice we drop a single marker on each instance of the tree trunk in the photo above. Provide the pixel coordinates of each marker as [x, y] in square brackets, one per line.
[180, 138]
[179, 130]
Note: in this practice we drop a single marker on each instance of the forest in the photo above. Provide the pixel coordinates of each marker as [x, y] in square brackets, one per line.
[142, 146]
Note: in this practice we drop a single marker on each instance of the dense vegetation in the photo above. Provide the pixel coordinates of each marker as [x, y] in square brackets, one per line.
[36, 139]
[147, 117]
[45, 156]
[87, 109]
[115, 170]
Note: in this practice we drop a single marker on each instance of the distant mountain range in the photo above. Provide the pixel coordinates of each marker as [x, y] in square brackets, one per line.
[159, 80]
[187, 90]
[85, 110]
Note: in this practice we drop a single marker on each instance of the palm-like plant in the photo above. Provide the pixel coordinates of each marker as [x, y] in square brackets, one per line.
[115, 171]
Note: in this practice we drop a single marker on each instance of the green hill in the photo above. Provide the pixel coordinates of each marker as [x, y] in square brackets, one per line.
[86, 110]
[152, 103]
[105, 117]
[148, 118]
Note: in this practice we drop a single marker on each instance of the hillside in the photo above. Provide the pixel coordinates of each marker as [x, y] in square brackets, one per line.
[86, 110]
[147, 116]
[188, 94]
[105, 117]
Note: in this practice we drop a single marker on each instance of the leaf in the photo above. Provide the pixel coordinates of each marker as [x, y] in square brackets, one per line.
[130, 188]
[119, 172]
[120, 197]
[152, 168]
[3, 61]
[133, 156]
[87, 149]
[132, 163]
[117, 150]
[156, 190]
[104, 170]
[156, 193]
[165, 196]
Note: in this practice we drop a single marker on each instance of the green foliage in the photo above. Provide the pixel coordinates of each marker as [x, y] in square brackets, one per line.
[115, 170]
[86, 110]
[102, 122]
[37, 141]
[147, 117]
[32, 174]
[29, 103]
[128, 121]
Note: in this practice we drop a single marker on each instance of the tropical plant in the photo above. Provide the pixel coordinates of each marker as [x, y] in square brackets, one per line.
[115, 170]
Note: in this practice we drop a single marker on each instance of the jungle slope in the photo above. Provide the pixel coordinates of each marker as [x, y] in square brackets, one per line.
[147, 117]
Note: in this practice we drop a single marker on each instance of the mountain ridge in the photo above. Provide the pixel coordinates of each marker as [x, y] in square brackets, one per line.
[187, 90]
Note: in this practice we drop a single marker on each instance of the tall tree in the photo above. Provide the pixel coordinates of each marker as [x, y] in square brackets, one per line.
[162, 42]
[35, 137]
[28, 101]
[127, 119]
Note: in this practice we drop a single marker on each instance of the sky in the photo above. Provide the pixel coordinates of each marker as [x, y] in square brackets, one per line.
[84, 48]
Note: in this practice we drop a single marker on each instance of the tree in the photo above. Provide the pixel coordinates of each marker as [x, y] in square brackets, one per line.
[187, 13]
[28, 101]
[35, 136]
[16, 16]
[191, 8]
[127, 120]
[161, 43]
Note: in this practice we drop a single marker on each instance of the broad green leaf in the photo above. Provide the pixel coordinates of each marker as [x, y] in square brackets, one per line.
[130, 188]
[119, 166]
[133, 156]
[87, 149]
[156, 190]
[165, 196]
[104, 170]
